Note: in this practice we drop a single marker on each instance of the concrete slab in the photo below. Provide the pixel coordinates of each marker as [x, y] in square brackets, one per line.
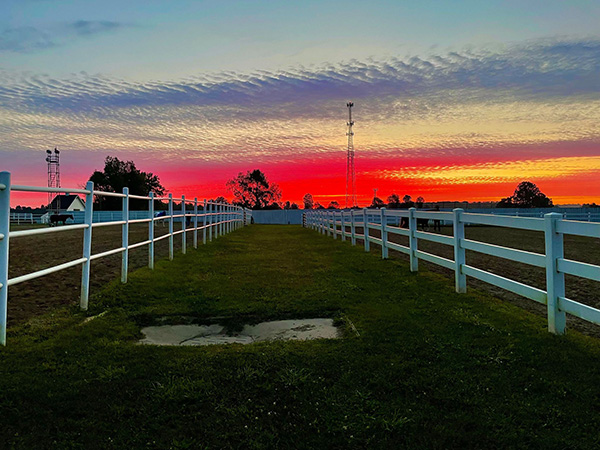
[303, 329]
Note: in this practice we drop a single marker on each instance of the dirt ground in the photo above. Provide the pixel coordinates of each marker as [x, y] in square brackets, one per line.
[31, 253]
[576, 248]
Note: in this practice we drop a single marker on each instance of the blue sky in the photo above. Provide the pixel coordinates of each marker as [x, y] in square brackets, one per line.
[124, 38]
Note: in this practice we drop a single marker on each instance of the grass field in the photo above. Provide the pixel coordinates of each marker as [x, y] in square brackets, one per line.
[430, 368]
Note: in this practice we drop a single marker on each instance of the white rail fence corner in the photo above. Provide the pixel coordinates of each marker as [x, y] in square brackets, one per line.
[405, 223]
[220, 217]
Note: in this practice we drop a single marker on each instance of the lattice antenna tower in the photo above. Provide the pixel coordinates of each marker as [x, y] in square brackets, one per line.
[53, 160]
[350, 172]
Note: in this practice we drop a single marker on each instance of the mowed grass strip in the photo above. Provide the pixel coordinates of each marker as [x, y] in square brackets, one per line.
[430, 369]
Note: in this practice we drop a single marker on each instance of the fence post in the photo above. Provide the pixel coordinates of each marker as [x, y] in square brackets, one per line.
[204, 222]
[366, 230]
[352, 228]
[460, 279]
[412, 240]
[334, 224]
[4, 246]
[171, 226]
[125, 236]
[555, 280]
[183, 226]
[343, 225]
[384, 234]
[210, 221]
[151, 232]
[87, 246]
[195, 222]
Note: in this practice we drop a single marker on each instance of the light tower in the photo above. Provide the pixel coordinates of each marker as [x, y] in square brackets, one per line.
[350, 172]
[53, 160]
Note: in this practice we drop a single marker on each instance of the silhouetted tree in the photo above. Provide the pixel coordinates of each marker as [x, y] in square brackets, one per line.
[318, 206]
[406, 199]
[294, 206]
[221, 199]
[393, 201]
[590, 205]
[309, 202]
[420, 201]
[377, 203]
[253, 190]
[333, 205]
[526, 195]
[118, 174]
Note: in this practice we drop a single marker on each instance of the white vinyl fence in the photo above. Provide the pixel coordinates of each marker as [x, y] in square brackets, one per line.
[554, 227]
[216, 219]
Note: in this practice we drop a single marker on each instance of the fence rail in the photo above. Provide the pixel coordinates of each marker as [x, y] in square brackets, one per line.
[405, 222]
[213, 220]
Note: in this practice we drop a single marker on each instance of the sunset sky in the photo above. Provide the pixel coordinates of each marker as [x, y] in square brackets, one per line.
[454, 100]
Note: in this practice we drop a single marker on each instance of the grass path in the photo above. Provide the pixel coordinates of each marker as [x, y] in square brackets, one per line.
[430, 369]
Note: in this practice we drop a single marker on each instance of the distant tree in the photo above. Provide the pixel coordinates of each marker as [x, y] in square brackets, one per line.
[274, 206]
[590, 205]
[318, 206]
[526, 195]
[287, 205]
[118, 174]
[294, 206]
[377, 203]
[253, 190]
[420, 201]
[309, 202]
[221, 199]
[406, 199]
[333, 205]
[393, 201]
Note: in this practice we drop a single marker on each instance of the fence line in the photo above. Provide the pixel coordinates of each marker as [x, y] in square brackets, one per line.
[221, 217]
[405, 223]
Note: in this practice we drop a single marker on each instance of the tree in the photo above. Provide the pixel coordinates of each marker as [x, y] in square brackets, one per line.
[294, 206]
[253, 190]
[309, 202]
[420, 201]
[318, 206]
[407, 198]
[526, 195]
[377, 203]
[221, 199]
[393, 201]
[118, 174]
[333, 205]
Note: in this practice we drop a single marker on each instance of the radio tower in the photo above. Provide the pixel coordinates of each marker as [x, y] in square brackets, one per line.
[53, 160]
[350, 172]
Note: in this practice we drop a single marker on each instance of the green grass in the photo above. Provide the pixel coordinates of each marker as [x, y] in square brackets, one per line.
[430, 369]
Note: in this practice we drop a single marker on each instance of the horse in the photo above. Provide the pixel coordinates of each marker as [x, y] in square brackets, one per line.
[56, 218]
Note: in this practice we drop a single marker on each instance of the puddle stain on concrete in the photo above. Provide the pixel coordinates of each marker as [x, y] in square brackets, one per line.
[278, 330]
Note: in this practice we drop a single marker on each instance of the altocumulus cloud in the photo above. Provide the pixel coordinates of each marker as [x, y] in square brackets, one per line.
[526, 93]
[32, 39]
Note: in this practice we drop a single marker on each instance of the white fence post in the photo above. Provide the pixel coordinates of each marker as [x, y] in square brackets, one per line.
[151, 232]
[4, 246]
[352, 228]
[334, 224]
[125, 236]
[183, 226]
[460, 279]
[195, 222]
[343, 225]
[555, 280]
[412, 240]
[384, 234]
[87, 246]
[204, 222]
[210, 221]
[171, 226]
[366, 230]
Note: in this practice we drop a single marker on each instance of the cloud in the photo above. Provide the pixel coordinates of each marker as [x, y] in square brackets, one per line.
[490, 102]
[31, 39]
